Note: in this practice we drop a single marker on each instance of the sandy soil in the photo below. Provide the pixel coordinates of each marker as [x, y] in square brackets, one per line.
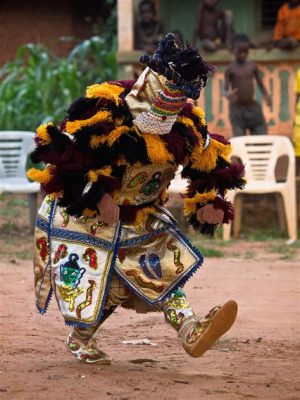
[258, 358]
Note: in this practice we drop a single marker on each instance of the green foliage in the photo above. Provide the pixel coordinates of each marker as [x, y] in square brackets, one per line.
[211, 252]
[37, 86]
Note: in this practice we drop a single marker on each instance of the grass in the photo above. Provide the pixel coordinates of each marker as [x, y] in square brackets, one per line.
[211, 252]
[10, 228]
[25, 255]
[249, 255]
[256, 235]
[286, 252]
[13, 207]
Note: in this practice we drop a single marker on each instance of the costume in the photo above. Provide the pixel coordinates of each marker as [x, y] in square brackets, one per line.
[127, 139]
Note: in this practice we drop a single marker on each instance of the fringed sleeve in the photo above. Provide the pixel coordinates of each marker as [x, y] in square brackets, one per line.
[81, 155]
[209, 172]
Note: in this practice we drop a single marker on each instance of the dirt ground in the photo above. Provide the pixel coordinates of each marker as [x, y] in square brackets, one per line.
[258, 358]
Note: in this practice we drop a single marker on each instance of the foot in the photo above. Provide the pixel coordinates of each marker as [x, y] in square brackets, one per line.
[87, 352]
[197, 336]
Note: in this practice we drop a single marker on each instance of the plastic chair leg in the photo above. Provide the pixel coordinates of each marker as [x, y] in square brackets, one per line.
[281, 212]
[226, 231]
[289, 200]
[238, 205]
[32, 205]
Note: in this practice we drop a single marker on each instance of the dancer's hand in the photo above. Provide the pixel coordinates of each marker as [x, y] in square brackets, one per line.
[210, 214]
[108, 209]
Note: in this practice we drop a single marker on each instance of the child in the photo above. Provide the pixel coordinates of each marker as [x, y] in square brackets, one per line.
[214, 27]
[287, 29]
[102, 237]
[148, 31]
[244, 111]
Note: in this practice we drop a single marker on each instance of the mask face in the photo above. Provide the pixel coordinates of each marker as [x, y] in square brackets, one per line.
[70, 273]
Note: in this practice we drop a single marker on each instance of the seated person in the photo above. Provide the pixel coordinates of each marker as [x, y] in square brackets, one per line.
[287, 30]
[214, 27]
[148, 31]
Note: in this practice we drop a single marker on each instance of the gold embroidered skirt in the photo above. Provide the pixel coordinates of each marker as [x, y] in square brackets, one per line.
[76, 258]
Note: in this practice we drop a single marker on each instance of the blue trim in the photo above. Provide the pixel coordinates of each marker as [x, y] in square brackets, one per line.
[41, 224]
[78, 324]
[116, 246]
[41, 310]
[48, 230]
[134, 241]
[58, 233]
[175, 285]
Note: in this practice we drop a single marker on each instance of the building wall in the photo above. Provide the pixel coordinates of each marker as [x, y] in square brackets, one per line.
[57, 24]
[172, 12]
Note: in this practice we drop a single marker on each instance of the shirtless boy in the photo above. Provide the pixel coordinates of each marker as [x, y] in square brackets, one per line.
[214, 26]
[244, 111]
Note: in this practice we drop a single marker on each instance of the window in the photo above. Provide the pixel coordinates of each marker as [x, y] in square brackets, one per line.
[269, 10]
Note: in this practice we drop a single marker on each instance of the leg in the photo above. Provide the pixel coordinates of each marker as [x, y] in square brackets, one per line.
[281, 212]
[198, 335]
[260, 129]
[228, 18]
[237, 120]
[83, 346]
[81, 341]
[32, 205]
[287, 43]
[209, 45]
[256, 120]
[238, 206]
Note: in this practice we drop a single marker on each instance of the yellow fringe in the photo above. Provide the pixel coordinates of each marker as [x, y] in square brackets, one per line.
[190, 205]
[94, 174]
[142, 215]
[119, 121]
[55, 195]
[106, 90]
[164, 196]
[37, 175]
[100, 116]
[43, 134]
[87, 212]
[121, 161]
[115, 134]
[186, 121]
[157, 152]
[96, 141]
[200, 114]
[207, 160]
[190, 123]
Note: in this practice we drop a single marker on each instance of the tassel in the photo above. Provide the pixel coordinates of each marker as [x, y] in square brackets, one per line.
[100, 116]
[93, 175]
[156, 149]
[115, 134]
[42, 133]
[37, 175]
[107, 90]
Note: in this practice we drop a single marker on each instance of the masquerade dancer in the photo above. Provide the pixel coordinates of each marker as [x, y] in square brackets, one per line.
[103, 238]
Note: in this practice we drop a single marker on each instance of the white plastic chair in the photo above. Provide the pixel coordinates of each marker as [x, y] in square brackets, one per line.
[178, 185]
[15, 146]
[260, 155]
